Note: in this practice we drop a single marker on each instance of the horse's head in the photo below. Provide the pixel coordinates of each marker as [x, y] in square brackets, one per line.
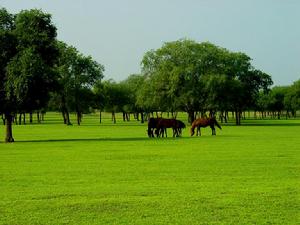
[180, 124]
[217, 124]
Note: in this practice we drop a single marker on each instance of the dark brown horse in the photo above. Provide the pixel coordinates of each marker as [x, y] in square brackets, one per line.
[152, 125]
[204, 122]
[163, 124]
[179, 126]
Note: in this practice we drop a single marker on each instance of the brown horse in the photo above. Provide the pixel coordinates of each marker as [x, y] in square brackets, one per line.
[204, 122]
[152, 124]
[163, 124]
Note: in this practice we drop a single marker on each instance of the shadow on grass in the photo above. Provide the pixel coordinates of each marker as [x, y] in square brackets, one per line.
[85, 140]
[123, 139]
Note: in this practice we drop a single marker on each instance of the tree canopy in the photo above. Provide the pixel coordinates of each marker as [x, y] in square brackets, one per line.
[27, 61]
[190, 76]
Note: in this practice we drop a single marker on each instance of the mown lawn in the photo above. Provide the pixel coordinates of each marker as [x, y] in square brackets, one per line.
[115, 174]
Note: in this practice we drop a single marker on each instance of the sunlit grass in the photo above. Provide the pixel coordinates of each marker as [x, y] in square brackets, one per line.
[114, 174]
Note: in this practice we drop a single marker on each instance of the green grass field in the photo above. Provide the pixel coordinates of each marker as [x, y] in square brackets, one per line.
[115, 174]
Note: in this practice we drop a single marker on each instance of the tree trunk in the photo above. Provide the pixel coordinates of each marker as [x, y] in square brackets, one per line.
[64, 116]
[100, 117]
[67, 116]
[38, 117]
[113, 117]
[30, 117]
[9, 137]
[20, 118]
[191, 116]
[237, 117]
[78, 114]
[43, 115]
[142, 117]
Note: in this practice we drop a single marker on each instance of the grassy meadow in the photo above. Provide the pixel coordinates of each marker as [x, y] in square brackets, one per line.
[114, 174]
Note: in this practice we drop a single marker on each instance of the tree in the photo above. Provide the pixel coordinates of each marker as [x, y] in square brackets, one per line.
[27, 73]
[131, 86]
[292, 98]
[186, 75]
[8, 49]
[115, 97]
[77, 75]
[276, 100]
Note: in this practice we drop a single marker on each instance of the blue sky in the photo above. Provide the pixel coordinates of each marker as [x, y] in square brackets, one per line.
[117, 33]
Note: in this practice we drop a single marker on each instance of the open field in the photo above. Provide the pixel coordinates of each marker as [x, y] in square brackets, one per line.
[115, 174]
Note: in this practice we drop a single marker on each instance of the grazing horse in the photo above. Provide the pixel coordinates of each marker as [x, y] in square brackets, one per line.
[204, 122]
[163, 124]
[152, 124]
[179, 126]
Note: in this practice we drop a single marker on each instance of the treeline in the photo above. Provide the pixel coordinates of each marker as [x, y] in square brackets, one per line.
[279, 101]
[40, 73]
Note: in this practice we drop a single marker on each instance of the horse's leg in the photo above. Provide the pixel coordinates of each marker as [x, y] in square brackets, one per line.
[178, 132]
[175, 132]
[161, 132]
[166, 132]
[213, 130]
[198, 131]
[156, 131]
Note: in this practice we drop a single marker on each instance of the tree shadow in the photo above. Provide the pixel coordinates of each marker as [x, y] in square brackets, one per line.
[123, 139]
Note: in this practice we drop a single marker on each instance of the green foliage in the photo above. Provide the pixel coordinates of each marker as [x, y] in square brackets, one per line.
[29, 80]
[280, 98]
[28, 55]
[116, 96]
[292, 97]
[131, 86]
[77, 75]
[34, 29]
[8, 45]
[190, 76]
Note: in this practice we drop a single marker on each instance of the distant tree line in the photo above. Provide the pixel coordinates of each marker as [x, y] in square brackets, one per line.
[40, 73]
[279, 101]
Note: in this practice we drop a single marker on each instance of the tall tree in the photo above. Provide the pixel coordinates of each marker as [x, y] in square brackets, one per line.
[131, 86]
[183, 74]
[77, 76]
[116, 97]
[27, 73]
